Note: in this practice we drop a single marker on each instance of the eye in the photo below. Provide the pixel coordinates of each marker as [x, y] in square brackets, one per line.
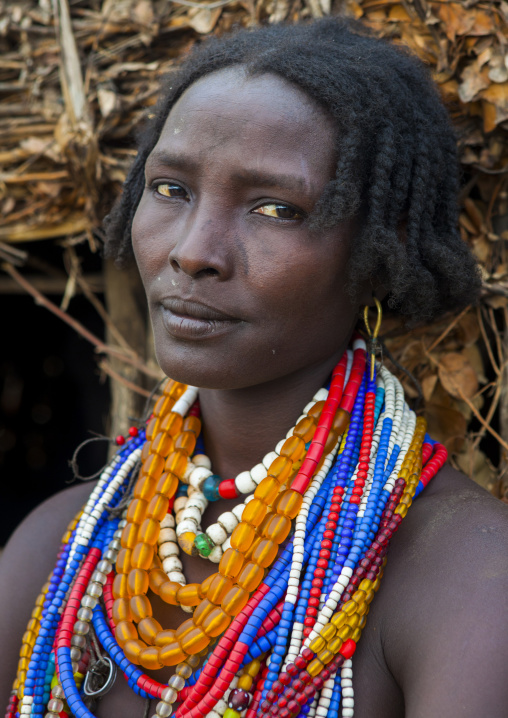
[280, 211]
[169, 189]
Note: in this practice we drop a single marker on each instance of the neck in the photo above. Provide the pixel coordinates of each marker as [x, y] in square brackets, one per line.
[240, 426]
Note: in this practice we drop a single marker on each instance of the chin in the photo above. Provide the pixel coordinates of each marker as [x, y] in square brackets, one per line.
[197, 371]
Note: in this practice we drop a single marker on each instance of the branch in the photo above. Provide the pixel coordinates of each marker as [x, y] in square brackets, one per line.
[99, 345]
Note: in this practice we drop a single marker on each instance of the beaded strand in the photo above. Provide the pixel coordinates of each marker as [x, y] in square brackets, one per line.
[283, 622]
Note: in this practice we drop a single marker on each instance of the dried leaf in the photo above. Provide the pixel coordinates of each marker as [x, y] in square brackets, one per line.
[446, 425]
[428, 386]
[474, 80]
[457, 375]
[496, 95]
[204, 20]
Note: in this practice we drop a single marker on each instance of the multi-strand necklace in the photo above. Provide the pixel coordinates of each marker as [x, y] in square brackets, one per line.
[300, 558]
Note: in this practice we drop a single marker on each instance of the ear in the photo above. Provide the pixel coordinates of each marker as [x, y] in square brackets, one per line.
[371, 289]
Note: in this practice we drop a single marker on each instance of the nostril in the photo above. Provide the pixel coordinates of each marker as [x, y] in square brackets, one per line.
[209, 271]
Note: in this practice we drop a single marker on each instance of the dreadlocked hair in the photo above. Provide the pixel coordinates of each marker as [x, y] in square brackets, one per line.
[397, 166]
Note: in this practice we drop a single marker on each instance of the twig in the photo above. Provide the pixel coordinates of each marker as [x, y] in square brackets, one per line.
[99, 308]
[75, 268]
[99, 345]
[499, 346]
[448, 329]
[487, 343]
[481, 419]
[490, 414]
[106, 368]
[206, 6]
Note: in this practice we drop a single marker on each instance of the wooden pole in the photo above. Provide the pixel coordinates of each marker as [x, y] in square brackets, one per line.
[126, 304]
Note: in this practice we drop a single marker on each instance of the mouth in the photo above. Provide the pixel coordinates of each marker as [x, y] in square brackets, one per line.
[192, 320]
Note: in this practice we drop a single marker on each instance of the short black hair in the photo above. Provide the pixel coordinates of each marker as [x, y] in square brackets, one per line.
[397, 166]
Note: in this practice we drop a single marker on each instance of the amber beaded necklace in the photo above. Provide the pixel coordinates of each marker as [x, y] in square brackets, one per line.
[285, 622]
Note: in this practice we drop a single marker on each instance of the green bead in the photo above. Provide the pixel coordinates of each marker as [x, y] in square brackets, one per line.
[231, 713]
[204, 545]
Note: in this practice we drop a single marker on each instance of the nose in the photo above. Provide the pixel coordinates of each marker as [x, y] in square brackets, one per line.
[202, 247]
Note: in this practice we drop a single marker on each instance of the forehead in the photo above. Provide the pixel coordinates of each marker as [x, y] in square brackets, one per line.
[263, 119]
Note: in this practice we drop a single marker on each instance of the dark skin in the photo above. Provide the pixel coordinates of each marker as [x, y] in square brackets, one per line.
[436, 641]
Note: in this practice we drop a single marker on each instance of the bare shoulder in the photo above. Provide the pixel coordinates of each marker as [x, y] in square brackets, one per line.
[445, 603]
[25, 564]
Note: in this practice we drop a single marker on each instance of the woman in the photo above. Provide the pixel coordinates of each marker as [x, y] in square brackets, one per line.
[289, 177]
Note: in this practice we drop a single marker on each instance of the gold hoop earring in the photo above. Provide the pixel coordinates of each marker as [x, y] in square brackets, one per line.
[373, 343]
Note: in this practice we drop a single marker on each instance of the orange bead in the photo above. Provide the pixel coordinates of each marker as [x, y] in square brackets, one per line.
[123, 560]
[177, 390]
[140, 607]
[293, 448]
[265, 553]
[280, 468]
[316, 410]
[176, 463]
[136, 512]
[202, 611]
[188, 595]
[254, 512]
[129, 537]
[267, 490]
[153, 466]
[186, 627]
[250, 576]
[167, 386]
[186, 442]
[162, 406]
[162, 444]
[144, 488]
[167, 484]
[305, 429]
[290, 503]
[192, 423]
[218, 588]
[120, 589]
[132, 650]
[234, 600]
[231, 562]
[205, 585]
[158, 507]
[148, 629]
[195, 641]
[137, 581]
[341, 421]
[242, 536]
[172, 423]
[121, 611]
[172, 654]
[142, 557]
[149, 659]
[153, 428]
[168, 592]
[156, 578]
[278, 528]
[216, 622]
[125, 631]
[149, 531]
[145, 452]
[164, 638]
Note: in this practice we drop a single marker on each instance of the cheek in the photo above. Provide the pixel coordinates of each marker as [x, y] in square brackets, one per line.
[305, 284]
[150, 252]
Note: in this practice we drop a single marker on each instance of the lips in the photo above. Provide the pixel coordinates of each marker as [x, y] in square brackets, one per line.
[187, 319]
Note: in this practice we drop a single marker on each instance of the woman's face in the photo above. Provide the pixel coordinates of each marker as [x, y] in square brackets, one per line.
[240, 290]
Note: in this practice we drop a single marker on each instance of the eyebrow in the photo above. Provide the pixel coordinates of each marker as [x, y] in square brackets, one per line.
[267, 179]
[169, 159]
[248, 177]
